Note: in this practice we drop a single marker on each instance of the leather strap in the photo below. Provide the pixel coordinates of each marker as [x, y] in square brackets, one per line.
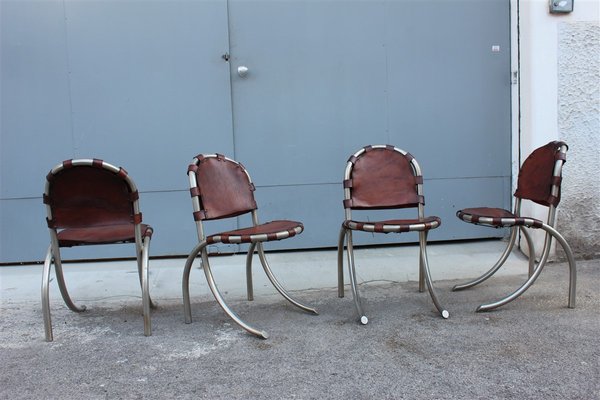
[200, 215]
[553, 200]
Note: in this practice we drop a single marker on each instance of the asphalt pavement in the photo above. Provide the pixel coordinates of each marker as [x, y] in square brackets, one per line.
[532, 348]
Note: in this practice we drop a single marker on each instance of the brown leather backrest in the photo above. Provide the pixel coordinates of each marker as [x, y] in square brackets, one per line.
[383, 178]
[536, 176]
[224, 188]
[86, 196]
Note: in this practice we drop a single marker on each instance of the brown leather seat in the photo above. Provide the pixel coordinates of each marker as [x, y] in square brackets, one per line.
[123, 233]
[91, 202]
[540, 178]
[377, 178]
[222, 188]
[274, 230]
[495, 217]
[395, 225]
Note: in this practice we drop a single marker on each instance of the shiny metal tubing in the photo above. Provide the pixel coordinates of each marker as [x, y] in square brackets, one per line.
[531, 248]
[423, 250]
[350, 251]
[340, 262]
[146, 288]
[496, 267]
[185, 281]
[140, 248]
[421, 273]
[201, 247]
[249, 285]
[46, 295]
[221, 301]
[572, 273]
[278, 286]
[60, 279]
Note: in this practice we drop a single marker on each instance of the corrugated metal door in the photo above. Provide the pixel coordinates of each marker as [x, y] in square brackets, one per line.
[328, 77]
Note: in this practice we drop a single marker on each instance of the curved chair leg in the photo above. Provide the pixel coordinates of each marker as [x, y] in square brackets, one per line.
[350, 251]
[572, 272]
[146, 302]
[531, 248]
[140, 263]
[185, 281]
[46, 295]
[221, 301]
[200, 247]
[423, 251]
[278, 286]
[249, 286]
[496, 267]
[60, 279]
[340, 261]
[421, 273]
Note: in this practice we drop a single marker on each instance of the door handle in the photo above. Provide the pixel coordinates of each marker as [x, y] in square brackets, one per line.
[242, 71]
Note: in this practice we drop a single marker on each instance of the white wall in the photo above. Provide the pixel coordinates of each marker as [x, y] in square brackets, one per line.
[560, 105]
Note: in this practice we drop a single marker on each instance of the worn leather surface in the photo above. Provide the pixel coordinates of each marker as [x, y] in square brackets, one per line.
[536, 175]
[269, 229]
[89, 196]
[499, 217]
[123, 233]
[401, 225]
[225, 190]
[488, 212]
[383, 178]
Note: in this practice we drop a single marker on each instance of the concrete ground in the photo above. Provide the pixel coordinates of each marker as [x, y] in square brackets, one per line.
[534, 347]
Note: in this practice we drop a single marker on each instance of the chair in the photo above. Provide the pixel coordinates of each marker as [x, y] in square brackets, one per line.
[384, 177]
[91, 202]
[539, 181]
[221, 188]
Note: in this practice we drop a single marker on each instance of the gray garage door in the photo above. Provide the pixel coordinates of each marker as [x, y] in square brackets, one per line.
[326, 78]
[144, 85]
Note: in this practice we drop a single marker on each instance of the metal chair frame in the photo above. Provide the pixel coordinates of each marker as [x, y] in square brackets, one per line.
[255, 241]
[53, 255]
[419, 226]
[523, 223]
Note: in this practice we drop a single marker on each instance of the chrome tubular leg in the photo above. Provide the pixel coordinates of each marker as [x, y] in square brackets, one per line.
[496, 267]
[421, 273]
[60, 279]
[340, 262]
[531, 247]
[572, 266]
[146, 288]
[221, 301]
[278, 286]
[46, 295]
[352, 272]
[249, 286]
[140, 263]
[423, 251]
[538, 271]
[185, 281]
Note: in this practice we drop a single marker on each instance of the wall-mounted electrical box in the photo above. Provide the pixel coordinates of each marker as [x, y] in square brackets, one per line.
[561, 6]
